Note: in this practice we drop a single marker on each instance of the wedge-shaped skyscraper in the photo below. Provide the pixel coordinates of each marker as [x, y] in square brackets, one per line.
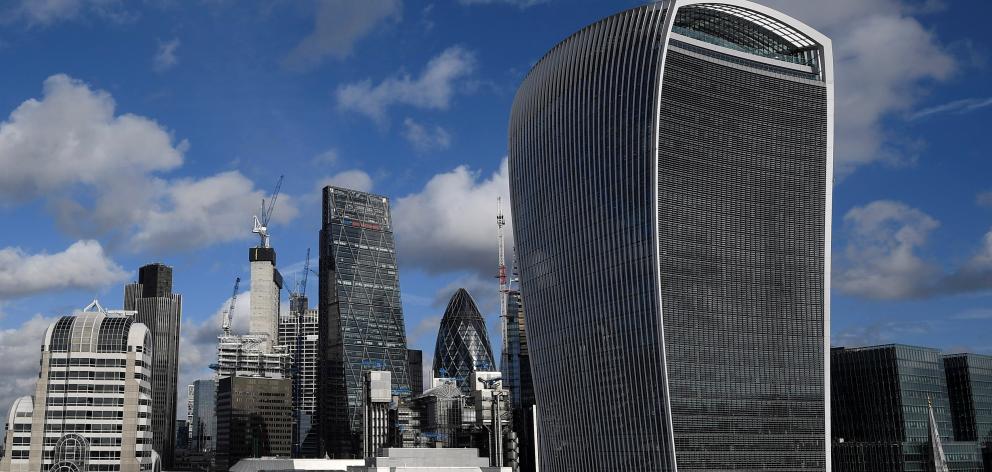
[462, 342]
[670, 177]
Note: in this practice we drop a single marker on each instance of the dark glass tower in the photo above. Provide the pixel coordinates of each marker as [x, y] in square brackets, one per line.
[462, 345]
[969, 387]
[515, 367]
[881, 399]
[361, 319]
[670, 178]
[415, 366]
[161, 311]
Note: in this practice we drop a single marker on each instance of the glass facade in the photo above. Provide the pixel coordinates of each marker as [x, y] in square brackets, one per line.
[161, 311]
[880, 398]
[670, 201]
[462, 345]
[361, 318]
[969, 386]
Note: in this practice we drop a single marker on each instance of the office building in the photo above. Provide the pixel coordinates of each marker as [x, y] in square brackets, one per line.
[249, 355]
[442, 411]
[517, 379]
[670, 174]
[298, 335]
[203, 415]
[969, 388]
[92, 406]
[462, 345]
[428, 460]
[254, 419]
[881, 400]
[415, 367]
[378, 396]
[158, 308]
[361, 318]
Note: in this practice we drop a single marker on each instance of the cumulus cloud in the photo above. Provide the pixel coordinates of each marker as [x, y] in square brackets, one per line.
[885, 60]
[354, 179]
[450, 225]
[99, 173]
[882, 257]
[339, 24]
[165, 58]
[19, 349]
[433, 89]
[83, 265]
[425, 138]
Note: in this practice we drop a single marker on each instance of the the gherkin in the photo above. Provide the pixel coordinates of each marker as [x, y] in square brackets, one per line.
[462, 342]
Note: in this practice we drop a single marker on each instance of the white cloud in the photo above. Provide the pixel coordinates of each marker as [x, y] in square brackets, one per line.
[19, 349]
[98, 173]
[339, 24]
[354, 179]
[450, 225]
[518, 3]
[82, 265]
[885, 60]
[72, 136]
[880, 259]
[165, 58]
[957, 107]
[433, 89]
[425, 138]
[49, 12]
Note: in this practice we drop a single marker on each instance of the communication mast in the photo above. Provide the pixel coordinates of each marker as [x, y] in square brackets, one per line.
[504, 286]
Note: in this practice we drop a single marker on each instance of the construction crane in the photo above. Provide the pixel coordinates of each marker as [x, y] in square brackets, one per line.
[230, 310]
[261, 221]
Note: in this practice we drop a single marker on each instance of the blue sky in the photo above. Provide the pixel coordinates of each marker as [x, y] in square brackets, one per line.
[149, 131]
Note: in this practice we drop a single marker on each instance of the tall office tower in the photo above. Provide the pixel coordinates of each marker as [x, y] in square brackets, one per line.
[670, 177]
[203, 416]
[254, 419]
[161, 311]
[266, 289]
[361, 318]
[880, 408]
[415, 367]
[92, 405]
[515, 367]
[298, 335]
[969, 386]
[462, 345]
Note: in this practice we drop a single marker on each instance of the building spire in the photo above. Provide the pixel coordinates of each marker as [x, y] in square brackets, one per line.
[936, 448]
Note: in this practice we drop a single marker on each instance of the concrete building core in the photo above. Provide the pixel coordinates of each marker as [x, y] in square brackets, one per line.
[266, 286]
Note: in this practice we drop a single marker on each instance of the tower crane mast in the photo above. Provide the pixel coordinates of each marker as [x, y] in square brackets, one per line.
[230, 310]
[504, 287]
[261, 221]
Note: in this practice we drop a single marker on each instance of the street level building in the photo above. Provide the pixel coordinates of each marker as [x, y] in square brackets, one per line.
[92, 406]
[254, 419]
[158, 308]
[462, 345]
[361, 318]
[203, 416]
[969, 387]
[378, 397]
[881, 398]
[670, 176]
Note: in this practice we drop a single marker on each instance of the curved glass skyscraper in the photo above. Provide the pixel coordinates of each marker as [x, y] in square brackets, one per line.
[462, 342]
[670, 176]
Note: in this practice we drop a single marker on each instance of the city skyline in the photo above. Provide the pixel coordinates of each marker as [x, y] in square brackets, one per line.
[929, 282]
